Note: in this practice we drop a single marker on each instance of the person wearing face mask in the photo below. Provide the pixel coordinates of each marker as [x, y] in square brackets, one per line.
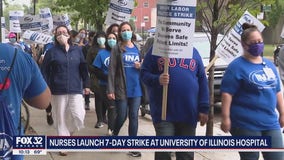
[101, 64]
[75, 37]
[101, 108]
[82, 37]
[65, 71]
[85, 52]
[124, 81]
[13, 41]
[251, 93]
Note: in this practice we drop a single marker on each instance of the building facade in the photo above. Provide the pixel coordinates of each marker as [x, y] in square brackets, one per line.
[144, 15]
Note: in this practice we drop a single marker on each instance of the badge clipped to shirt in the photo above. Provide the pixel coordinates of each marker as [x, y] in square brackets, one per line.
[269, 73]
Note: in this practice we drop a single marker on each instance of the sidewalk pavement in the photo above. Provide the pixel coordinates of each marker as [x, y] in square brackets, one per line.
[40, 126]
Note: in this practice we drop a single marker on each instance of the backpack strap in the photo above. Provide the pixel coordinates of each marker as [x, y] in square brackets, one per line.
[6, 78]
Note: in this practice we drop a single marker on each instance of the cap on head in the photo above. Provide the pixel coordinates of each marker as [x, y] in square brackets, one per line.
[12, 35]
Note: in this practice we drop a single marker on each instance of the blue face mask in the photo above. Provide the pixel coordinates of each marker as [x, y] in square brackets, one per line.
[101, 41]
[12, 40]
[256, 49]
[111, 43]
[126, 35]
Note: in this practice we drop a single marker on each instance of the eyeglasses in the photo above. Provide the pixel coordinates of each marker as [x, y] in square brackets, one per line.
[61, 33]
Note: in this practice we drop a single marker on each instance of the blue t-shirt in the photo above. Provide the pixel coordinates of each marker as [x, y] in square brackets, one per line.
[26, 80]
[254, 88]
[133, 87]
[25, 47]
[102, 61]
[47, 46]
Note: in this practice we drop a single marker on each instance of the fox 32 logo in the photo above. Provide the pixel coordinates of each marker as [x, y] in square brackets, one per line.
[6, 145]
[29, 142]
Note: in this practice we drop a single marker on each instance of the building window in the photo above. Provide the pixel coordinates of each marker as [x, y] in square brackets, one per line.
[146, 4]
[146, 19]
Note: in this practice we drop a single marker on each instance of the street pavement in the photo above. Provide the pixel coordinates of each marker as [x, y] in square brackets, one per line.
[40, 127]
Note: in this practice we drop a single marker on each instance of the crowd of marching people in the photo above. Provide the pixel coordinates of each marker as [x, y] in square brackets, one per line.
[78, 64]
[108, 64]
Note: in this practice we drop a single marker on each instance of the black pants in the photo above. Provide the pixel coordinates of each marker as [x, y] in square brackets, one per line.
[111, 112]
[100, 106]
[87, 99]
[49, 108]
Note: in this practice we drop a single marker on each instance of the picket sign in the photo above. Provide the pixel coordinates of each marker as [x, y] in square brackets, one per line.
[176, 21]
[230, 47]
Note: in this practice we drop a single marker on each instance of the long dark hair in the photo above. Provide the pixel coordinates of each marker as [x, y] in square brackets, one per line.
[119, 31]
[106, 44]
[55, 38]
[108, 31]
[99, 34]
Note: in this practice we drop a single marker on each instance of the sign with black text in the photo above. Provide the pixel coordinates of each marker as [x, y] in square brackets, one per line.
[119, 11]
[231, 47]
[37, 37]
[175, 28]
[30, 22]
[45, 15]
[14, 21]
[62, 20]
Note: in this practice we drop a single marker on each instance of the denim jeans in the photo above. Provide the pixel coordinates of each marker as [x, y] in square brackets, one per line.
[276, 142]
[174, 129]
[130, 106]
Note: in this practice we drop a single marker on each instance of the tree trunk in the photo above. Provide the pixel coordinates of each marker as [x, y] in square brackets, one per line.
[214, 34]
[210, 123]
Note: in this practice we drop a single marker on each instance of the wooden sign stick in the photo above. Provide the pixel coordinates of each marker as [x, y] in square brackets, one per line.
[211, 63]
[165, 91]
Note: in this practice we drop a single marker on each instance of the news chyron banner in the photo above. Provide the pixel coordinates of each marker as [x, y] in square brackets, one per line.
[119, 11]
[231, 47]
[175, 28]
[40, 145]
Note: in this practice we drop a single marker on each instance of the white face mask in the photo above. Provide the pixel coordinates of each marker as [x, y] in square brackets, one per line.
[82, 35]
[62, 39]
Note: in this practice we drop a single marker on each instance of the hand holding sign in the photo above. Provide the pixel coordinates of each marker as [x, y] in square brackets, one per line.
[176, 21]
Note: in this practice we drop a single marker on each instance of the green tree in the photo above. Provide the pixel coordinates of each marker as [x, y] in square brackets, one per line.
[218, 16]
[91, 12]
[7, 9]
[277, 11]
[273, 17]
[45, 4]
